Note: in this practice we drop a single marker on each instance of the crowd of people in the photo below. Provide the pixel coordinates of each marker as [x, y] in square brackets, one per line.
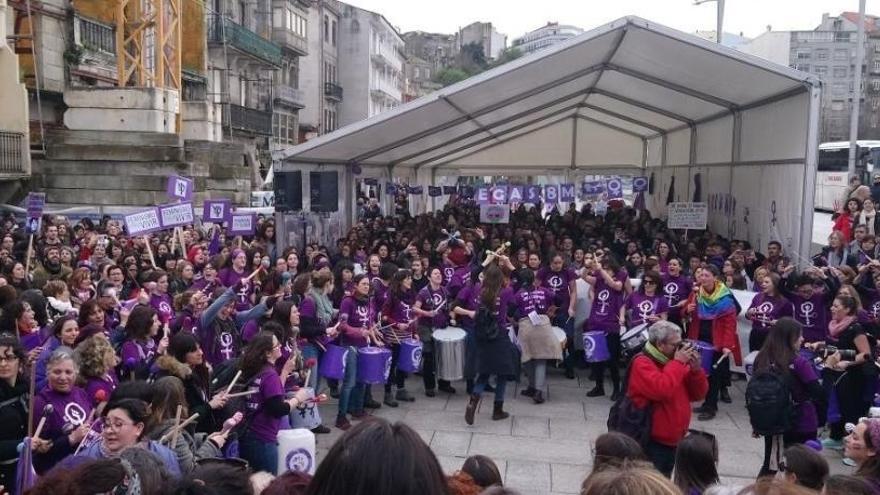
[166, 361]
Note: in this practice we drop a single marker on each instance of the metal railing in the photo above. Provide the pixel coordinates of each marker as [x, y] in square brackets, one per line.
[12, 150]
[290, 40]
[290, 95]
[95, 35]
[333, 91]
[248, 120]
[243, 39]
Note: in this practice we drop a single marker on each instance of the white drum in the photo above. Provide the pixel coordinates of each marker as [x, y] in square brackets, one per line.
[633, 340]
[296, 451]
[449, 349]
[749, 364]
[560, 335]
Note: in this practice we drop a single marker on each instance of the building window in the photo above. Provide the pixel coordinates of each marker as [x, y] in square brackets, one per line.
[875, 102]
[802, 67]
[333, 32]
[278, 18]
[877, 66]
[284, 128]
[875, 84]
[841, 54]
[838, 89]
[326, 27]
[836, 106]
[427, 73]
[839, 72]
[820, 70]
[803, 54]
[821, 54]
[242, 91]
[415, 73]
[242, 13]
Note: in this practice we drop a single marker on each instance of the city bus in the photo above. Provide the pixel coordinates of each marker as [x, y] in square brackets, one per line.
[832, 163]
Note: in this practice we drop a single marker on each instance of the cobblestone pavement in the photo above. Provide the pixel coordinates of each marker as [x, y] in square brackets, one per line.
[546, 448]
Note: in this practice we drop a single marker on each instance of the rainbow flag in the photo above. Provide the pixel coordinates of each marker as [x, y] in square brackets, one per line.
[719, 303]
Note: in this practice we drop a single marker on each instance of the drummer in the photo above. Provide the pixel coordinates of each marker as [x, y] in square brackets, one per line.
[539, 344]
[398, 314]
[431, 306]
[464, 309]
[646, 305]
[563, 283]
[675, 286]
[608, 286]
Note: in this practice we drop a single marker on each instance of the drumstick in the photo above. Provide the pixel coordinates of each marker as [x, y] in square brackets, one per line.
[263, 265]
[177, 418]
[40, 426]
[176, 429]
[722, 358]
[232, 383]
[242, 394]
[490, 255]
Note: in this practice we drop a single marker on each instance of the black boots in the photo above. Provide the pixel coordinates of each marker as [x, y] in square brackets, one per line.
[498, 411]
[471, 409]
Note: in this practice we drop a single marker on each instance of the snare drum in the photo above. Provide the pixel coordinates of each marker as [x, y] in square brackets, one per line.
[633, 340]
[410, 360]
[560, 335]
[449, 353]
[374, 365]
[333, 362]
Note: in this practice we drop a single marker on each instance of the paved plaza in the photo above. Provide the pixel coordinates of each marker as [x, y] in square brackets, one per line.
[546, 448]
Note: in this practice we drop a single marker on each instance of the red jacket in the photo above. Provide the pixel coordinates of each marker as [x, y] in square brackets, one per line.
[670, 389]
[723, 330]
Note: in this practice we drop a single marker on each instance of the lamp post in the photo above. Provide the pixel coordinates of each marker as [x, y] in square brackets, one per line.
[719, 26]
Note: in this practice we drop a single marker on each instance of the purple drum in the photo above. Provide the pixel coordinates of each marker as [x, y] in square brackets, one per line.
[706, 354]
[333, 362]
[811, 358]
[374, 365]
[410, 360]
[595, 347]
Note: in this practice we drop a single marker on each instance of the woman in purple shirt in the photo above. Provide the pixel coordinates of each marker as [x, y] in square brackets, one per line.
[779, 355]
[539, 344]
[160, 300]
[265, 408]
[810, 298]
[767, 306]
[676, 287]
[397, 312]
[234, 274]
[646, 305]
[139, 350]
[563, 283]
[97, 361]
[608, 287]
[432, 306]
[357, 321]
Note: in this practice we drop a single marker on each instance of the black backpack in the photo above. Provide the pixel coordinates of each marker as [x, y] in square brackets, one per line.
[771, 408]
[627, 418]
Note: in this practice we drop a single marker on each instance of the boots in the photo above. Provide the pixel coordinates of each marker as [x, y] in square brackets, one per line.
[403, 395]
[389, 400]
[598, 391]
[538, 397]
[471, 409]
[498, 411]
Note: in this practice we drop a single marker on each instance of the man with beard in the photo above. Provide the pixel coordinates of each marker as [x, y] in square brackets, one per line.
[51, 268]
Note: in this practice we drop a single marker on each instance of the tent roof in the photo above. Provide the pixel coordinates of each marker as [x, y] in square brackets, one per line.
[631, 78]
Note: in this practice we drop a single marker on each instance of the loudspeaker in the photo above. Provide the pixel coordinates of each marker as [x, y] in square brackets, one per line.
[288, 191]
[324, 191]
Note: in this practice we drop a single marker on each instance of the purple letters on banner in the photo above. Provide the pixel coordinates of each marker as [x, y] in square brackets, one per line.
[566, 193]
[482, 195]
[216, 210]
[390, 188]
[533, 194]
[551, 194]
[516, 194]
[175, 215]
[415, 190]
[179, 188]
[499, 195]
[143, 222]
[448, 189]
[242, 224]
[614, 186]
[434, 191]
[640, 184]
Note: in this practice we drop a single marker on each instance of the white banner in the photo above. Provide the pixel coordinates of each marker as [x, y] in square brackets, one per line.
[691, 216]
[175, 215]
[494, 213]
[143, 222]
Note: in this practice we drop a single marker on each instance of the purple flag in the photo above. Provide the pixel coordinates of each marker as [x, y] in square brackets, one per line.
[533, 194]
[434, 191]
[516, 194]
[592, 188]
[448, 189]
[614, 186]
[482, 195]
[551, 194]
[640, 184]
[566, 193]
[390, 189]
[498, 195]
[25, 476]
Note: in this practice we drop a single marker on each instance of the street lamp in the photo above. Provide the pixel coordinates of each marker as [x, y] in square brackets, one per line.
[719, 26]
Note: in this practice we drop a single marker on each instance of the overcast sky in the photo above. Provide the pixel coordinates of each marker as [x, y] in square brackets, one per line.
[516, 17]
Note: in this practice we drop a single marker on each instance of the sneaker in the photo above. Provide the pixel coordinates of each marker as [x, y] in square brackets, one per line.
[342, 423]
[404, 396]
[849, 462]
[830, 443]
[372, 404]
[429, 392]
[596, 392]
[389, 400]
[706, 415]
[320, 430]
[359, 415]
[528, 392]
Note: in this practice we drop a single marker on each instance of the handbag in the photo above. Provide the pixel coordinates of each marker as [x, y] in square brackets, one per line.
[627, 418]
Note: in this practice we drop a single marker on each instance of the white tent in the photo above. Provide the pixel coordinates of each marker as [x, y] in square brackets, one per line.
[630, 97]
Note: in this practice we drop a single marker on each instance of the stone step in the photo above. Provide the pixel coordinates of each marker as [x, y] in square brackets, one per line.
[121, 168]
[130, 153]
[65, 136]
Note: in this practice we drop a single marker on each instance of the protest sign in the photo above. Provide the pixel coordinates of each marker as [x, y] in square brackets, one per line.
[143, 222]
[691, 216]
[179, 188]
[242, 224]
[175, 215]
[216, 210]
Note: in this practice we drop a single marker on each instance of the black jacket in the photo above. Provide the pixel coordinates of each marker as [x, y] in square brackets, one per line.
[13, 427]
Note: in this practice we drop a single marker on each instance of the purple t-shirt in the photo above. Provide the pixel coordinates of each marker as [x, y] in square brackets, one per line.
[162, 304]
[468, 298]
[379, 293]
[641, 306]
[769, 309]
[357, 313]
[72, 408]
[558, 283]
[460, 276]
[229, 277]
[107, 383]
[537, 299]
[812, 314]
[805, 373]
[448, 271]
[430, 300]
[675, 290]
[135, 352]
[263, 425]
[605, 312]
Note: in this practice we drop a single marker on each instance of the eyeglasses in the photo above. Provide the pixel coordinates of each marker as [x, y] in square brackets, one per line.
[115, 425]
[650, 282]
[8, 359]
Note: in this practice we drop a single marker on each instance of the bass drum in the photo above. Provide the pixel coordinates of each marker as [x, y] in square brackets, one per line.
[633, 341]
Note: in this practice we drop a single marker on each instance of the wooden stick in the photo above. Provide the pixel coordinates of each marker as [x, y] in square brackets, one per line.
[181, 426]
[30, 249]
[254, 273]
[177, 418]
[33, 385]
[150, 251]
[182, 242]
[242, 394]
[173, 240]
[722, 358]
[232, 383]
[40, 426]
[490, 255]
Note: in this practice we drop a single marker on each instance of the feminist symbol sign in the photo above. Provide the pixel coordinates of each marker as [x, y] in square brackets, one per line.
[74, 414]
[640, 184]
[603, 297]
[807, 313]
[773, 213]
[615, 188]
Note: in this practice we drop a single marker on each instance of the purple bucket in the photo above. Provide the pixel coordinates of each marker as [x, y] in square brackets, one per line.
[595, 347]
[374, 365]
[410, 360]
[707, 352]
[333, 362]
[811, 358]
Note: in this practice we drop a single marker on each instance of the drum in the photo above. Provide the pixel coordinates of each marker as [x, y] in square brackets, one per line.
[449, 353]
[707, 352]
[374, 365]
[560, 335]
[749, 364]
[333, 362]
[596, 347]
[307, 416]
[296, 451]
[809, 356]
[410, 360]
[633, 340]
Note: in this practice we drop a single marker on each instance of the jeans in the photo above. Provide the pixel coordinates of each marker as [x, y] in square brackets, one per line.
[717, 380]
[536, 372]
[500, 386]
[312, 351]
[351, 397]
[662, 456]
[261, 455]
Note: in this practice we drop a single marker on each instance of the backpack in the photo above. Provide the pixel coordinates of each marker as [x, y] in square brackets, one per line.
[485, 325]
[627, 418]
[769, 402]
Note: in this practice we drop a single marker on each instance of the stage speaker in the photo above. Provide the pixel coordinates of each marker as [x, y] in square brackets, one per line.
[288, 191]
[324, 191]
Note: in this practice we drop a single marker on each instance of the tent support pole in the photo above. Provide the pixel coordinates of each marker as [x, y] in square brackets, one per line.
[805, 240]
[735, 155]
[574, 142]
[692, 160]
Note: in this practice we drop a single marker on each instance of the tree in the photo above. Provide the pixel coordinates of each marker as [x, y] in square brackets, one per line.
[507, 55]
[472, 58]
[450, 75]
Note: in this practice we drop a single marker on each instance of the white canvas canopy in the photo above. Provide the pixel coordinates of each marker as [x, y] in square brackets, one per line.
[630, 97]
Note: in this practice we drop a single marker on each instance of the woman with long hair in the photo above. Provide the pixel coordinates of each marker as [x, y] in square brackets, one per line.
[696, 459]
[316, 315]
[779, 355]
[539, 344]
[863, 447]
[357, 322]
[160, 299]
[432, 306]
[140, 349]
[18, 318]
[836, 253]
[184, 275]
[397, 312]
[846, 219]
[562, 282]
[266, 407]
[14, 396]
[233, 274]
[676, 287]
[608, 288]
[767, 306]
[497, 354]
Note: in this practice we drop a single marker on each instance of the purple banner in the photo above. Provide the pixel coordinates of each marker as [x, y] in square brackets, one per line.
[175, 215]
[640, 184]
[143, 222]
[371, 181]
[434, 191]
[390, 188]
[482, 197]
[592, 188]
[466, 191]
[415, 190]
[551, 194]
[179, 188]
[567, 193]
[533, 194]
[499, 195]
[448, 189]
[614, 186]
[35, 204]
[217, 210]
[516, 194]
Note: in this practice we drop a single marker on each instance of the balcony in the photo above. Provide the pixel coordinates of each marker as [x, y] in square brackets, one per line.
[243, 39]
[383, 53]
[333, 91]
[94, 35]
[383, 88]
[289, 95]
[14, 154]
[248, 120]
[290, 40]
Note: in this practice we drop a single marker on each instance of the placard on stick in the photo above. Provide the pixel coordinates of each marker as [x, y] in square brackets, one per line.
[242, 224]
[690, 216]
[143, 222]
[179, 188]
[175, 215]
[217, 210]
